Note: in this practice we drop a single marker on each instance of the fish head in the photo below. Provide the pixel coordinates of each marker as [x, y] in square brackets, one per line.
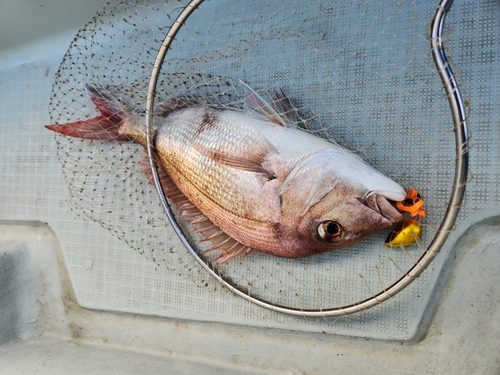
[333, 199]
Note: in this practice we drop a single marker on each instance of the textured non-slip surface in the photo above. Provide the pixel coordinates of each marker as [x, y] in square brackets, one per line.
[361, 73]
[53, 335]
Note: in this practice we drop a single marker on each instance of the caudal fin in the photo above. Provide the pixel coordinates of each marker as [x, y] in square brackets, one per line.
[106, 126]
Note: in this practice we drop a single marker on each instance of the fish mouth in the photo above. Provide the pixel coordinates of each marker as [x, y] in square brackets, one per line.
[379, 203]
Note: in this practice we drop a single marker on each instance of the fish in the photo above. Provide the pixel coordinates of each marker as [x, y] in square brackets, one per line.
[252, 179]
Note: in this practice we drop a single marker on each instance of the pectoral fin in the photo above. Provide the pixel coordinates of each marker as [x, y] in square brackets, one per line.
[175, 103]
[248, 154]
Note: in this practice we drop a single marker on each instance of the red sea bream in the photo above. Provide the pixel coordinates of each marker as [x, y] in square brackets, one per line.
[253, 180]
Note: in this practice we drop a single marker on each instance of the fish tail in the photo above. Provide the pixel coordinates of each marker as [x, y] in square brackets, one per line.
[106, 126]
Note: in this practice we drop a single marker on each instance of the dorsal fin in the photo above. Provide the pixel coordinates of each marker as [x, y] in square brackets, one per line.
[175, 103]
[284, 106]
[256, 104]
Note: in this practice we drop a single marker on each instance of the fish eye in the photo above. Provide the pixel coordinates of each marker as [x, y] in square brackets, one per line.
[330, 231]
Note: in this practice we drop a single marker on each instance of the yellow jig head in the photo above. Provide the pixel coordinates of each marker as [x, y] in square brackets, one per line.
[408, 232]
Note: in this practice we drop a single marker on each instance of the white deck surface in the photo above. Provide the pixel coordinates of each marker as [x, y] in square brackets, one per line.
[51, 334]
[43, 330]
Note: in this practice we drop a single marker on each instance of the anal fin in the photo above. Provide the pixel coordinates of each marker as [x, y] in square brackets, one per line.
[232, 249]
[194, 217]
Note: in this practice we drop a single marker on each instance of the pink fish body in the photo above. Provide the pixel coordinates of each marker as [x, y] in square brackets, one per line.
[253, 180]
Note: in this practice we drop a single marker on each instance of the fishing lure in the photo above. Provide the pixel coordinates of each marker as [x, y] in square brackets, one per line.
[412, 204]
[409, 231]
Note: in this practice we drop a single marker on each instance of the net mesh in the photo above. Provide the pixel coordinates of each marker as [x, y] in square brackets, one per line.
[360, 73]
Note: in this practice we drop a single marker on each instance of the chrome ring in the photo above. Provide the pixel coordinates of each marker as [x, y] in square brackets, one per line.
[460, 179]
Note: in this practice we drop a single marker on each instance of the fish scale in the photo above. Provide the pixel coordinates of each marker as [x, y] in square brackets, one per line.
[211, 179]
